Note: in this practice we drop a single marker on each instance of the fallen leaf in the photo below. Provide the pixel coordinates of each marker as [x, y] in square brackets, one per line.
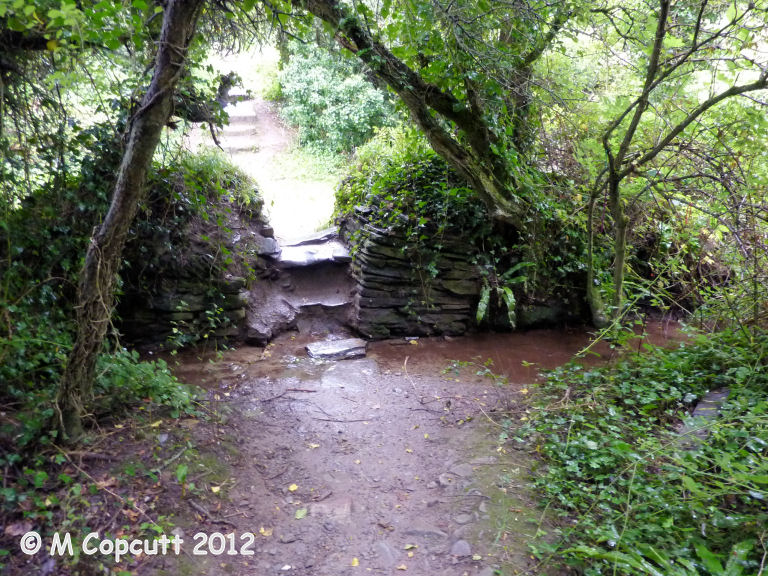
[410, 546]
[18, 529]
[409, 451]
[131, 514]
[410, 554]
[300, 513]
[355, 562]
[403, 566]
[476, 557]
[313, 446]
[293, 487]
[215, 489]
[266, 532]
[357, 461]
[156, 423]
[426, 436]
[524, 391]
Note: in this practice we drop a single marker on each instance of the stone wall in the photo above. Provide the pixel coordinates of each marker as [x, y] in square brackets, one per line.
[191, 281]
[402, 290]
[396, 291]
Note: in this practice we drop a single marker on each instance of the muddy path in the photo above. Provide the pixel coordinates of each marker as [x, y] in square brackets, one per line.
[387, 464]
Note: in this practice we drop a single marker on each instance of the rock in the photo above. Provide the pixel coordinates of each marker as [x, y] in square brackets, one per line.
[265, 246]
[461, 548]
[463, 470]
[341, 254]
[463, 518]
[423, 530]
[297, 256]
[445, 479]
[338, 349]
[337, 509]
[317, 237]
[387, 555]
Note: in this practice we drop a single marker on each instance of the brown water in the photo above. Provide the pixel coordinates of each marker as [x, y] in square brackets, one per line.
[389, 464]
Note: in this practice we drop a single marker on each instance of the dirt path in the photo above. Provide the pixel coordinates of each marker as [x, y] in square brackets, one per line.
[383, 465]
[298, 198]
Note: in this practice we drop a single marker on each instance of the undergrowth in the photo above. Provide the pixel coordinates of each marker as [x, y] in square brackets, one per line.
[633, 494]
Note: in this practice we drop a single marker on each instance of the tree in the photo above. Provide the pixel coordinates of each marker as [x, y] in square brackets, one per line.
[464, 72]
[103, 258]
[701, 55]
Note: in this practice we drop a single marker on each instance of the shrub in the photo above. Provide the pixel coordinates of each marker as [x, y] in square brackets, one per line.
[634, 498]
[330, 100]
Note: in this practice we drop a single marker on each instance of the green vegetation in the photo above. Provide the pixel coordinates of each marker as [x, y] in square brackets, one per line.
[636, 497]
[330, 100]
[608, 156]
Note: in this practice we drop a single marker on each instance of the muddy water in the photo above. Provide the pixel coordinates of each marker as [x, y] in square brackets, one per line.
[388, 464]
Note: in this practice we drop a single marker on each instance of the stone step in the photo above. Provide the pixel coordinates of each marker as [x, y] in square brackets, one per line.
[299, 256]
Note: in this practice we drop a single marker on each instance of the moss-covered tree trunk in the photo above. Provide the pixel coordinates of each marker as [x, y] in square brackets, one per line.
[104, 254]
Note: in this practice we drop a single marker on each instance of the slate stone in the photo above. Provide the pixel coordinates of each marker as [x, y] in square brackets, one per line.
[461, 548]
[338, 349]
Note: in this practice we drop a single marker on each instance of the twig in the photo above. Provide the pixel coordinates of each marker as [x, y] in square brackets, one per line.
[284, 392]
[170, 460]
[202, 510]
[344, 421]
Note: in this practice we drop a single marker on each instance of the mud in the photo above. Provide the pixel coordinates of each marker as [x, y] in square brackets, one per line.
[389, 464]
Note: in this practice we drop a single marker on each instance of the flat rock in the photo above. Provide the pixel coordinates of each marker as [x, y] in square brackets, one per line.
[461, 548]
[317, 237]
[462, 470]
[298, 256]
[424, 530]
[386, 555]
[338, 509]
[338, 349]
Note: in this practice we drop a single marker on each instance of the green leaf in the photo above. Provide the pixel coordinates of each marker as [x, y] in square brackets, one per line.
[482, 305]
[709, 559]
[181, 472]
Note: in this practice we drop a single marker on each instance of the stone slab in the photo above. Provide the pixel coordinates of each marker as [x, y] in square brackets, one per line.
[338, 349]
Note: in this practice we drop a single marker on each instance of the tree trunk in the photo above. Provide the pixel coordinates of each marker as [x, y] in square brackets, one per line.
[485, 170]
[620, 223]
[104, 254]
[594, 299]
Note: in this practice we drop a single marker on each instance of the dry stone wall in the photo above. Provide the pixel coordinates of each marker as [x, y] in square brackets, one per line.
[404, 290]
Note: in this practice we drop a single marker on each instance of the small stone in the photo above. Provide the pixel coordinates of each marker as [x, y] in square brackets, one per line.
[445, 479]
[432, 485]
[387, 555]
[463, 519]
[483, 508]
[461, 548]
[424, 530]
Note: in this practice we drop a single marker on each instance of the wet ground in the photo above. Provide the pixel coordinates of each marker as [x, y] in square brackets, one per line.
[387, 464]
